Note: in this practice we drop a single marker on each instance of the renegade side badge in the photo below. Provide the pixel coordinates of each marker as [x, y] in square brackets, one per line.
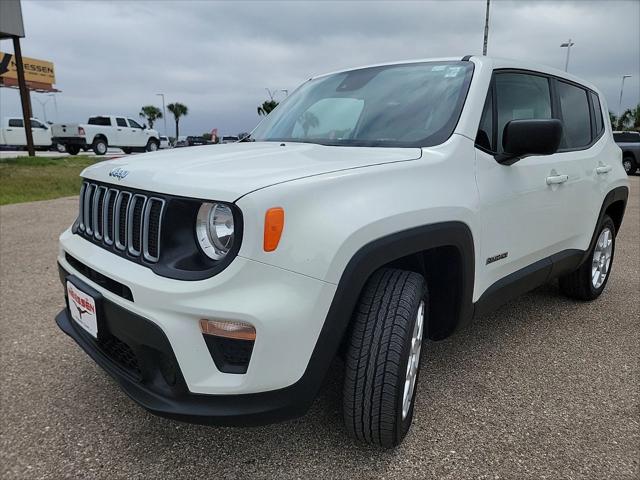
[495, 258]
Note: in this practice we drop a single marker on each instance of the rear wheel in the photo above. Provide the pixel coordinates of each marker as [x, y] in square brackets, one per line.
[72, 149]
[383, 357]
[100, 146]
[629, 165]
[589, 280]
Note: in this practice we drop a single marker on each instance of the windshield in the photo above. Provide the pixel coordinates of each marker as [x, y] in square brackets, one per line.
[407, 105]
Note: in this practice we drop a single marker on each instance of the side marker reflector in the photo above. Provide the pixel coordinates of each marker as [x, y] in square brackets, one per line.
[273, 225]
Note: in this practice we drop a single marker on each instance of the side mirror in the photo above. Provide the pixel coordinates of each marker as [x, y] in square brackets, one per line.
[144, 126]
[522, 138]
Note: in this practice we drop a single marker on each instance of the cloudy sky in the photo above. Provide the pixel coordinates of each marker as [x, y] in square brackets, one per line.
[218, 57]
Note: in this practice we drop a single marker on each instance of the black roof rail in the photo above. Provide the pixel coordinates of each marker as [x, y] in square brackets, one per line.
[466, 58]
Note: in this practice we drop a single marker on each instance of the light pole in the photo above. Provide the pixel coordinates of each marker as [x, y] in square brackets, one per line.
[621, 89]
[164, 113]
[486, 30]
[55, 105]
[568, 46]
[43, 105]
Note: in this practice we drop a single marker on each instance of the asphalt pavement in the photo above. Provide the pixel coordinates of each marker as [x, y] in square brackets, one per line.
[544, 388]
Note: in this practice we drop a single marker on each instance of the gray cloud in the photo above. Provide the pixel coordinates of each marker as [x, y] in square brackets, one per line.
[217, 58]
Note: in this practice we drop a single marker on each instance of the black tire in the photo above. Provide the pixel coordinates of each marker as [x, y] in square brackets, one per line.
[629, 164]
[152, 145]
[72, 149]
[579, 283]
[127, 150]
[100, 146]
[377, 357]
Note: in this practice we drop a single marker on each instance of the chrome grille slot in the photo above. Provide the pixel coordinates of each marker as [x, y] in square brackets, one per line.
[109, 214]
[120, 222]
[97, 208]
[126, 221]
[151, 229]
[134, 224]
[81, 211]
[87, 207]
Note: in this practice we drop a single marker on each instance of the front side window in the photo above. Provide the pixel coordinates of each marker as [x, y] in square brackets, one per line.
[403, 105]
[134, 124]
[520, 96]
[576, 121]
[16, 123]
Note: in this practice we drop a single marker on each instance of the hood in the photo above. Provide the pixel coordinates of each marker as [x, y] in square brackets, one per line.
[227, 172]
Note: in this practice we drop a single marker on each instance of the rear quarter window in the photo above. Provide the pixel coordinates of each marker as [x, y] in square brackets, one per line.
[102, 121]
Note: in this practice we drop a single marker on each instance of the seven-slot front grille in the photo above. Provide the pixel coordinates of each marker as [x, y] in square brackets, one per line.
[127, 221]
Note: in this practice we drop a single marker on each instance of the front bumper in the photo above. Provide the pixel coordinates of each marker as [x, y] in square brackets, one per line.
[288, 311]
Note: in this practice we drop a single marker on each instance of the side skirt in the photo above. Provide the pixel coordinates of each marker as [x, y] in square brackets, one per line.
[527, 279]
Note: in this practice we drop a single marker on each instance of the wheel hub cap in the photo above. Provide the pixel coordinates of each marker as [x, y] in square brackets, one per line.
[601, 261]
[413, 362]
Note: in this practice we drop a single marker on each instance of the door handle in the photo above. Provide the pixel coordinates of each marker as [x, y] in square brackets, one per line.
[557, 179]
[603, 169]
[9, 130]
[119, 129]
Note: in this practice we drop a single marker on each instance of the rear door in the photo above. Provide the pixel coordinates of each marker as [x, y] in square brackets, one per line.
[522, 216]
[580, 157]
[122, 129]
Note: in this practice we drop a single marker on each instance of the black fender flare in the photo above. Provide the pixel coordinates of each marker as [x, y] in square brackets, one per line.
[364, 262]
[615, 195]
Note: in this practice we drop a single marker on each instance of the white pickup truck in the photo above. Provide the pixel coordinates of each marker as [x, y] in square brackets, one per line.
[104, 131]
[12, 133]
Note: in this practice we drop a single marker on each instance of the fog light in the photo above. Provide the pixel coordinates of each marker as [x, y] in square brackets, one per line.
[228, 329]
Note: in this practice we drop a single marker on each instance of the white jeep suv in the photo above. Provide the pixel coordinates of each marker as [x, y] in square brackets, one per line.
[374, 209]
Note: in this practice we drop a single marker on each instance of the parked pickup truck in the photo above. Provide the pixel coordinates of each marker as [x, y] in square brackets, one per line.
[629, 143]
[12, 133]
[104, 131]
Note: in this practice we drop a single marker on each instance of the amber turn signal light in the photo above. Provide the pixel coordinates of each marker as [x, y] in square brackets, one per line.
[273, 225]
[228, 329]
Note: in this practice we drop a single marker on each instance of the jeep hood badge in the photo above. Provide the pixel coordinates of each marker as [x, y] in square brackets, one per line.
[119, 173]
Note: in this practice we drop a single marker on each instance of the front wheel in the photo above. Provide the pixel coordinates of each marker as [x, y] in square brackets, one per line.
[152, 145]
[589, 280]
[383, 357]
[629, 165]
[100, 146]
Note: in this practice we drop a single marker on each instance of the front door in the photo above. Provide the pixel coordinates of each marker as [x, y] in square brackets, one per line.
[137, 134]
[521, 205]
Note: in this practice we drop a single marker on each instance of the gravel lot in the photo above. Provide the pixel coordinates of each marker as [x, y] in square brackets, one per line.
[543, 388]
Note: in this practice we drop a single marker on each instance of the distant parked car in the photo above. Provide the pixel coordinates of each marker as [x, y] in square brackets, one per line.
[164, 142]
[181, 141]
[193, 140]
[629, 143]
[229, 139]
[12, 133]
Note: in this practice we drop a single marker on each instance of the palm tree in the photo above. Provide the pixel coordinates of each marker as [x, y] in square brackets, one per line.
[151, 114]
[178, 110]
[631, 118]
[309, 120]
[266, 107]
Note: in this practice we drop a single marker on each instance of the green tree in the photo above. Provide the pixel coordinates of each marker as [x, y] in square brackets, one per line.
[631, 118]
[150, 113]
[266, 107]
[178, 110]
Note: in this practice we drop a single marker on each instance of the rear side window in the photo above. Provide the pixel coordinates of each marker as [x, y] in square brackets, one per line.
[102, 121]
[626, 137]
[597, 111]
[16, 123]
[576, 122]
[121, 122]
[520, 96]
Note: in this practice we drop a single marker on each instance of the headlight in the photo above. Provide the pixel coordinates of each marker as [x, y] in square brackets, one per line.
[215, 229]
